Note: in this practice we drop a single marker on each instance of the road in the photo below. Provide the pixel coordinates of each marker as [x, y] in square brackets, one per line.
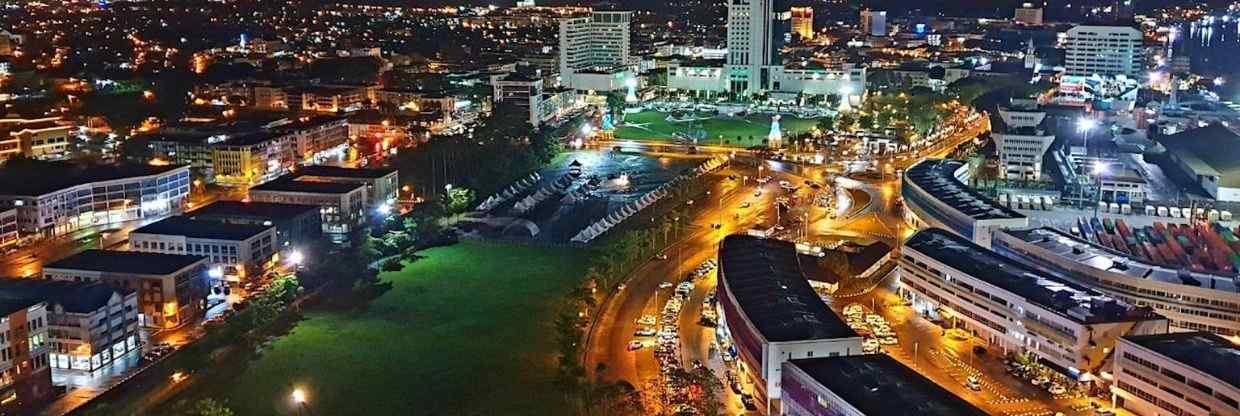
[694, 246]
[617, 322]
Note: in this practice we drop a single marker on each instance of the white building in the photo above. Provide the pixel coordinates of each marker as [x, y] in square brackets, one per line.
[8, 229]
[341, 205]
[936, 196]
[1193, 301]
[1015, 308]
[80, 196]
[1211, 156]
[1104, 51]
[753, 45]
[1028, 14]
[1187, 373]
[770, 314]
[874, 22]
[172, 289]
[594, 51]
[89, 324]
[528, 92]
[239, 250]
[1022, 140]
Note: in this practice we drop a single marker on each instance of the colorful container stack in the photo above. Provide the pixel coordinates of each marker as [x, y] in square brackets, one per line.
[1204, 247]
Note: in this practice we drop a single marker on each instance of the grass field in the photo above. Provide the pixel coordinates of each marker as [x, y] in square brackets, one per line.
[654, 126]
[465, 330]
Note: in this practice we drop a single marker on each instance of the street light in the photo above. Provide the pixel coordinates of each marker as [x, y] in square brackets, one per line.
[1099, 169]
[299, 399]
[1085, 125]
[295, 258]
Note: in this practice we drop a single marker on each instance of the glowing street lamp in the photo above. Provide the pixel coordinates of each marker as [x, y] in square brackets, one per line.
[299, 399]
[296, 258]
[299, 396]
[1099, 169]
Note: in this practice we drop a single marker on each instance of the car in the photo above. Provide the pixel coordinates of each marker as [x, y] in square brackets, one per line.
[888, 341]
[979, 350]
[1040, 381]
[745, 204]
[757, 193]
[644, 332]
[661, 256]
[636, 345]
[1104, 412]
[973, 383]
[716, 226]
[665, 285]
[1056, 389]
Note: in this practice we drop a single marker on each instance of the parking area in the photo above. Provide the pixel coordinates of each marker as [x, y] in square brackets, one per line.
[964, 364]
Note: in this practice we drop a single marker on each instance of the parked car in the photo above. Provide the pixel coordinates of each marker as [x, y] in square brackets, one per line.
[635, 345]
[973, 383]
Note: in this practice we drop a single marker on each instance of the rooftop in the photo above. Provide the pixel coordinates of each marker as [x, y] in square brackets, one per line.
[765, 277]
[186, 226]
[341, 172]
[877, 384]
[289, 183]
[938, 178]
[34, 178]
[74, 297]
[8, 307]
[1080, 251]
[1075, 302]
[126, 262]
[1204, 351]
[1211, 150]
[252, 209]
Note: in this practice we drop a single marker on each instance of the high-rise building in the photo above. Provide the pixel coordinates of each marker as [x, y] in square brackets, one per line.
[754, 39]
[803, 21]
[1022, 140]
[1104, 51]
[593, 49]
[874, 22]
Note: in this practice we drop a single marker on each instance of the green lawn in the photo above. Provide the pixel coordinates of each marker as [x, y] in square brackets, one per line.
[466, 330]
[653, 125]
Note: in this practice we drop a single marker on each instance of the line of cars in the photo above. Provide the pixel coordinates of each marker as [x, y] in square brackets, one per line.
[667, 345]
[1038, 377]
[872, 326]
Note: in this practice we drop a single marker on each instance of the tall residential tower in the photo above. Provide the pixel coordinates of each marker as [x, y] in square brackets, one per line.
[755, 35]
[594, 50]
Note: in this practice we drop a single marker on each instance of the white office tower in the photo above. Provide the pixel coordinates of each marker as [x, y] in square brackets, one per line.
[594, 51]
[752, 45]
[874, 22]
[1022, 140]
[1103, 50]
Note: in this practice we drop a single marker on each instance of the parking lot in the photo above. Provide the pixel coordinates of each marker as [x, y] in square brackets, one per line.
[964, 364]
